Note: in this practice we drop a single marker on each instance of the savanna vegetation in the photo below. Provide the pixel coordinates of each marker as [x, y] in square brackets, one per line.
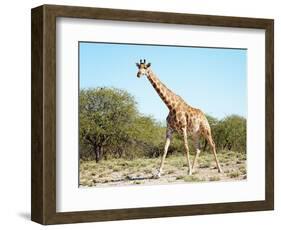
[116, 139]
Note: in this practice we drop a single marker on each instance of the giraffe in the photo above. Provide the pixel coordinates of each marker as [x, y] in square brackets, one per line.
[182, 118]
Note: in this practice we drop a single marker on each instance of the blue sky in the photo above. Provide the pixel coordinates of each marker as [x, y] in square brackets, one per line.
[212, 79]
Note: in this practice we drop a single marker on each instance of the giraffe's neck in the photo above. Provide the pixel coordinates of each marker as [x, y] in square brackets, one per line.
[167, 96]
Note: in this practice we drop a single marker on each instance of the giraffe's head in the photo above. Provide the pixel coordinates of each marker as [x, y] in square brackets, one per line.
[143, 68]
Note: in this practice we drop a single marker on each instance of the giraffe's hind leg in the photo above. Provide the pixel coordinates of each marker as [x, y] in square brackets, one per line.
[187, 150]
[208, 136]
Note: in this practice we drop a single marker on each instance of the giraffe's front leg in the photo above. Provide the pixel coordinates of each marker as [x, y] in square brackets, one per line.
[187, 151]
[196, 145]
[168, 141]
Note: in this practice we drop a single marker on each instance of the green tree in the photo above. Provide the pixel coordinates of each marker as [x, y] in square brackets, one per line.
[106, 117]
[231, 133]
[149, 136]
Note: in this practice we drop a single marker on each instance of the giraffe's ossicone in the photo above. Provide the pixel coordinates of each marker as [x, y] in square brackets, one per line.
[182, 118]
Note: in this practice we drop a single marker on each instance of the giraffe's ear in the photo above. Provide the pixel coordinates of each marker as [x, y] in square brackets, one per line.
[148, 64]
[138, 65]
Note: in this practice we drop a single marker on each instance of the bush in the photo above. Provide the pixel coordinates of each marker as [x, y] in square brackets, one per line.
[231, 134]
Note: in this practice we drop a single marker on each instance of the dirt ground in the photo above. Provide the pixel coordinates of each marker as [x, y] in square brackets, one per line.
[120, 172]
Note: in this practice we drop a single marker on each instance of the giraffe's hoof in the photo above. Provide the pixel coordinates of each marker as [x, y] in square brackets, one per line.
[220, 170]
[158, 174]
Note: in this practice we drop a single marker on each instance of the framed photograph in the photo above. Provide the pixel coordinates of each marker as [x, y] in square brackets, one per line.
[140, 114]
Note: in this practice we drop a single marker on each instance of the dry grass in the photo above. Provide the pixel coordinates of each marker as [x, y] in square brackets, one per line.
[214, 178]
[234, 174]
[141, 171]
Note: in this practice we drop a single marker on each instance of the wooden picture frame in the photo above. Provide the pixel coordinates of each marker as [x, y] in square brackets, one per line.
[43, 188]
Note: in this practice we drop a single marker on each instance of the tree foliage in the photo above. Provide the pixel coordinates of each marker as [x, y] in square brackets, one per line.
[231, 133]
[106, 116]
